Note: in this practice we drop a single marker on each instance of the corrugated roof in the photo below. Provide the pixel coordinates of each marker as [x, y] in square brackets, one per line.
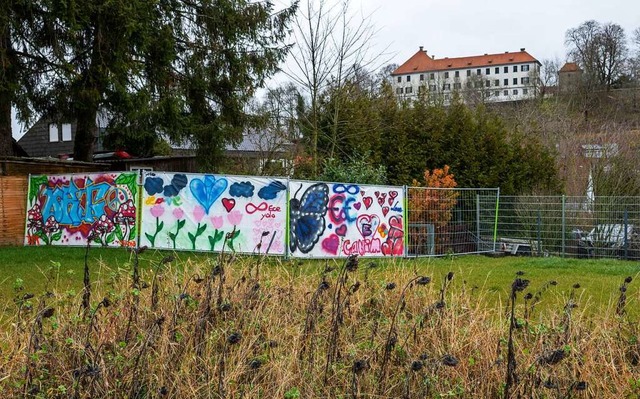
[421, 62]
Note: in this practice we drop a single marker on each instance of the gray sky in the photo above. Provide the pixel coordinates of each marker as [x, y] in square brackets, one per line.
[455, 28]
[452, 28]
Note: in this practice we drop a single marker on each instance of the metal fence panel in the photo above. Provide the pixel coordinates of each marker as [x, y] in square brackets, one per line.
[451, 221]
[591, 227]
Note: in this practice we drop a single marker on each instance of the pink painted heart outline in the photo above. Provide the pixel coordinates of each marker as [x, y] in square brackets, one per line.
[367, 225]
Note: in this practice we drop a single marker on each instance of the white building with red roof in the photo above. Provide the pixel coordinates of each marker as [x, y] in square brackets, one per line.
[508, 76]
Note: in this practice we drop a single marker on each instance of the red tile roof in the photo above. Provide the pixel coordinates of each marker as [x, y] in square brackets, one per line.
[421, 62]
[570, 67]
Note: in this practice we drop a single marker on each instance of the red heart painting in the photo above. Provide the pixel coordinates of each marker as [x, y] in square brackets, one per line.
[367, 202]
[228, 203]
[342, 230]
[385, 210]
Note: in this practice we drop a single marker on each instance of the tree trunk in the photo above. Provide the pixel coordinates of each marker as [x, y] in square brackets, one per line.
[86, 132]
[6, 95]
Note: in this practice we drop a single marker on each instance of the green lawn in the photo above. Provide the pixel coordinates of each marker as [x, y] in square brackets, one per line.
[42, 268]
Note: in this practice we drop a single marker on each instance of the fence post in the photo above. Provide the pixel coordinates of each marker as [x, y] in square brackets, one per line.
[478, 223]
[564, 224]
[539, 232]
[495, 223]
[626, 243]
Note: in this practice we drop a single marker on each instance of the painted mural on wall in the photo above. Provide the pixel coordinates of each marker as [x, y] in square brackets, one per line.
[214, 213]
[75, 209]
[335, 220]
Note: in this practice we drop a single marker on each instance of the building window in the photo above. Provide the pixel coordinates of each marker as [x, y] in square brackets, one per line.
[457, 74]
[487, 71]
[53, 133]
[487, 83]
[432, 87]
[432, 76]
[421, 77]
[447, 86]
[524, 68]
[506, 82]
[478, 72]
[399, 79]
[497, 71]
[506, 92]
[447, 97]
[408, 89]
[506, 69]
[525, 80]
[496, 82]
[496, 93]
[399, 90]
[515, 92]
[468, 72]
[408, 78]
[525, 91]
[515, 68]
[66, 132]
[446, 75]
[422, 89]
[457, 86]
[515, 81]
[478, 84]
[469, 85]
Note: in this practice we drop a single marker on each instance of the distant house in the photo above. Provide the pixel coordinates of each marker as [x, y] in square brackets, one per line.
[569, 77]
[259, 152]
[54, 139]
[508, 76]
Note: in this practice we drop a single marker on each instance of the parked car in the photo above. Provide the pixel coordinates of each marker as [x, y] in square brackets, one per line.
[606, 236]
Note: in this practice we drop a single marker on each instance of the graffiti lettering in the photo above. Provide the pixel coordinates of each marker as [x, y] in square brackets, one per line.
[341, 209]
[362, 247]
[72, 205]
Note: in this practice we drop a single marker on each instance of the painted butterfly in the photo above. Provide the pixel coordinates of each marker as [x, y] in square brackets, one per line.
[306, 217]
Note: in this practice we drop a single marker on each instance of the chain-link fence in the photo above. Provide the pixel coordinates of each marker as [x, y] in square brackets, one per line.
[570, 226]
[451, 221]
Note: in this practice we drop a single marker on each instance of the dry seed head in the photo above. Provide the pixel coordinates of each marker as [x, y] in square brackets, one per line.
[234, 338]
[416, 365]
[424, 280]
[449, 360]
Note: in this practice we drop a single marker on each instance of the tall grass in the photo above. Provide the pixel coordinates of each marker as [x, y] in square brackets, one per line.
[217, 328]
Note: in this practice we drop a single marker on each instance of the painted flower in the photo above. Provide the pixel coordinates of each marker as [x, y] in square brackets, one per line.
[235, 217]
[217, 222]
[157, 210]
[198, 213]
[178, 213]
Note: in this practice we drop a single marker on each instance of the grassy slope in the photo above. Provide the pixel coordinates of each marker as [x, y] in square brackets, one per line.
[599, 279]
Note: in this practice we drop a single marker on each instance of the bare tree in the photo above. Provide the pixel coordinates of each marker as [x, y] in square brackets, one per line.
[600, 50]
[332, 44]
[548, 75]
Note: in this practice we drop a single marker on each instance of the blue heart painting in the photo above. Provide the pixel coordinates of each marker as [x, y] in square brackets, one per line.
[208, 191]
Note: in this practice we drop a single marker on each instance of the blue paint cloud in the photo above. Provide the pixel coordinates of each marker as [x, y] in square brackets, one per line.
[271, 191]
[242, 189]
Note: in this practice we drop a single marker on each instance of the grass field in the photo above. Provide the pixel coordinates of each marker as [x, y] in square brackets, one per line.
[599, 279]
[196, 325]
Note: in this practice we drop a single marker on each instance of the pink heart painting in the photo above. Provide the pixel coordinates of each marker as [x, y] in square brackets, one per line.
[331, 244]
[357, 206]
[341, 230]
[385, 210]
